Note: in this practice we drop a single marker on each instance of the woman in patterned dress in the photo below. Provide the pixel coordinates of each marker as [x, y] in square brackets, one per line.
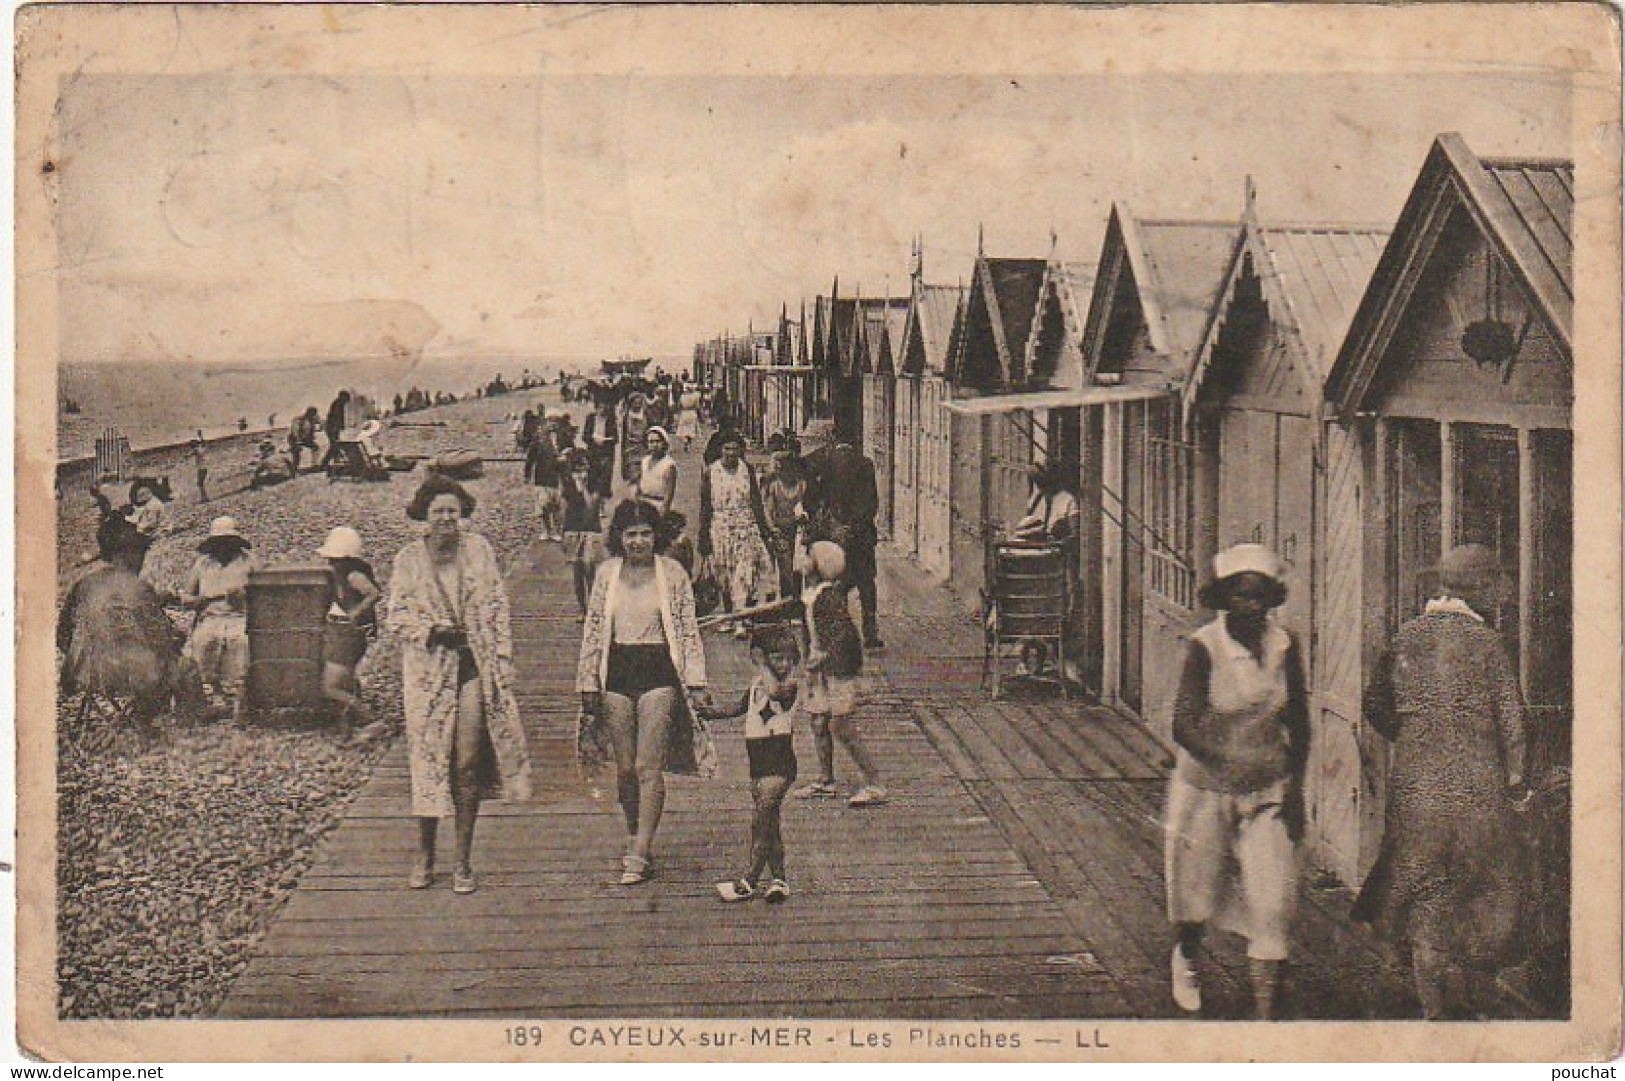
[635, 425]
[463, 735]
[1450, 876]
[734, 529]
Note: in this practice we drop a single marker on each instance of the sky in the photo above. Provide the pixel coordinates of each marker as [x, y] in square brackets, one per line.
[241, 218]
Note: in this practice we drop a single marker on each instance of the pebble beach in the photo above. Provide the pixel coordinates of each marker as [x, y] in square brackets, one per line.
[176, 853]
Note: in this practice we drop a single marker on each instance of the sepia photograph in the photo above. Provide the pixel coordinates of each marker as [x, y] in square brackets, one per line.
[817, 533]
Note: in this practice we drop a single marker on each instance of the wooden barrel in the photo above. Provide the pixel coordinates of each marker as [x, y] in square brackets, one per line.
[287, 610]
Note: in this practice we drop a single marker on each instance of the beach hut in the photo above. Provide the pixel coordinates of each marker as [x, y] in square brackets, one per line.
[879, 330]
[1155, 291]
[781, 382]
[934, 472]
[848, 402]
[839, 392]
[816, 350]
[991, 452]
[1043, 418]
[1456, 380]
[922, 359]
[1286, 478]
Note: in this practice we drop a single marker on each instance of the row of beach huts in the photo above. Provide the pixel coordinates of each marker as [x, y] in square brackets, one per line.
[1360, 397]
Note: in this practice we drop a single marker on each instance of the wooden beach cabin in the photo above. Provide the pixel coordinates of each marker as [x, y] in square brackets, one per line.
[1044, 420]
[787, 385]
[935, 472]
[990, 453]
[1155, 291]
[1456, 379]
[1277, 473]
[881, 331]
[840, 390]
[922, 361]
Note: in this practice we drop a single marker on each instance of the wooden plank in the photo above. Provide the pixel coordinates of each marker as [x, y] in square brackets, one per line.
[990, 760]
[947, 743]
[934, 1004]
[1080, 971]
[604, 959]
[1116, 867]
[1054, 758]
[1018, 759]
[1071, 730]
[494, 934]
[1139, 973]
[348, 915]
[543, 990]
[406, 905]
[916, 879]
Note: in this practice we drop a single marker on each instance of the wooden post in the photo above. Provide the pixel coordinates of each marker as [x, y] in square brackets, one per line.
[1447, 487]
[1526, 553]
[1111, 553]
[1377, 581]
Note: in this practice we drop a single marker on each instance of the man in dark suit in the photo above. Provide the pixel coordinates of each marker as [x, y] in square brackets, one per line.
[842, 501]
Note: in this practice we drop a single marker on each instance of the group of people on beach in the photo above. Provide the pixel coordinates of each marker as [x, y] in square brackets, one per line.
[780, 578]
[780, 553]
[1446, 884]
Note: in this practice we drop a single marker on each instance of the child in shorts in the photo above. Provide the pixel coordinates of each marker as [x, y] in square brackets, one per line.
[769, 705]
[834, 662]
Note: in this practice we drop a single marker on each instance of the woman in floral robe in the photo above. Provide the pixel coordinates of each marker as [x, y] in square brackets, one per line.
[734, 528]
[463, 735]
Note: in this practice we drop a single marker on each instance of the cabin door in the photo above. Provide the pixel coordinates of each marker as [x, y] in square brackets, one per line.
[1294, 527]
[1266, 496]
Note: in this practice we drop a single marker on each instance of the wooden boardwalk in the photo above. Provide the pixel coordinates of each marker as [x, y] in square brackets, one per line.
[1016, 874]
[1077, 791]
[918, 909]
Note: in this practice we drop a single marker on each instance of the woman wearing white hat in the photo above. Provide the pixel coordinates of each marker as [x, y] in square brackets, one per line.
[217, 588]
[352, 620]
[657, 477]
[1235, 803]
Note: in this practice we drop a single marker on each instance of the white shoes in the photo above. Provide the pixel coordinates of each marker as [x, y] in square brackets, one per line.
[870, 795]
[1186, 987]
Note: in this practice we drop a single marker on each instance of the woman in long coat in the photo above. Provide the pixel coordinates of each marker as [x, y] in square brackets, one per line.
[1449, 875]
[463, 735]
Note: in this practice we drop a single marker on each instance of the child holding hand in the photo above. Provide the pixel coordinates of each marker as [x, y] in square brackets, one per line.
[769, 705]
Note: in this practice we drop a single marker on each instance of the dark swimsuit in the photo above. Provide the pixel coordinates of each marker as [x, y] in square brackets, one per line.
[635, 670]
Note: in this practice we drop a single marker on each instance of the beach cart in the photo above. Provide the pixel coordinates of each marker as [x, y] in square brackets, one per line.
[1025, 606]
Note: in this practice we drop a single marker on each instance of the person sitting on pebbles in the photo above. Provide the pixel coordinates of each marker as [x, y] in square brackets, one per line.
[217, 588]
[272, 467]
